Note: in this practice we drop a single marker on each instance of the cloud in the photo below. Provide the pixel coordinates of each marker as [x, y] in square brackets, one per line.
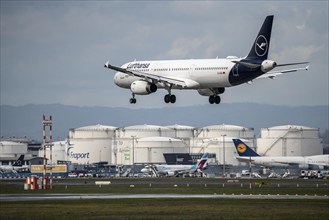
[55, 51]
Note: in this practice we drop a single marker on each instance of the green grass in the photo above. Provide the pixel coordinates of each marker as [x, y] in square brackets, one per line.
[166, 209]
[169, 208]
[184, 186]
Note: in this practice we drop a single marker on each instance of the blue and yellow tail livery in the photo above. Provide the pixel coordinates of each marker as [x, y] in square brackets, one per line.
[243, 149]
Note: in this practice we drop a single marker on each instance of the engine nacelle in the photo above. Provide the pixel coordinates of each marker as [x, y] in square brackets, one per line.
[220, 90]
[141, 87]
[268, 65]
[171, 173]
[303, 166]
[210, 92]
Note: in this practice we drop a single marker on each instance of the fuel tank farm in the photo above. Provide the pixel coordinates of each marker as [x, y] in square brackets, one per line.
[148, 143]
[289, 140]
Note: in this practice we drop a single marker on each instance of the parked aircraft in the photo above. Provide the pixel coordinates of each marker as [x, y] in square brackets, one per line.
[17, 165]
[246, 154]
[175, 170]
[209, 77]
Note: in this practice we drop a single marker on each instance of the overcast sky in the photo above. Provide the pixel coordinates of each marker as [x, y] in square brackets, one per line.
[54, 52]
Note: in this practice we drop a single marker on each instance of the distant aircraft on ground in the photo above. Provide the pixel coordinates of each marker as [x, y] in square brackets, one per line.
[246, 154]
[209, 77]
[17, 165]
[175, 170]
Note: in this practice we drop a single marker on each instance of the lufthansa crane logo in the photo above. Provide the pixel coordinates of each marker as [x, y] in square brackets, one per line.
[242, 148]
[261, 46]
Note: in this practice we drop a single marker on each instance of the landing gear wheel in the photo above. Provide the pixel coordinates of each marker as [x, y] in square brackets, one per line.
[170, 98]
[132, 101]
[214, 99]
[217, 99]
[211, 99]
[167, 98]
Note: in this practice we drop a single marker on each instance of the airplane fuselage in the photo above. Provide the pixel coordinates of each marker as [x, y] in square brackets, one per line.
[199, 73]
[10, 168]
[319, 161]
[176, 168]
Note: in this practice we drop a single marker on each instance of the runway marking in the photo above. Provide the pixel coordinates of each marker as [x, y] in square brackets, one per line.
[24, 197]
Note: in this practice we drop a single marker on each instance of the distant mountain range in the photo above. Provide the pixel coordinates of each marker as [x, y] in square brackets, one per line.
[26, 120]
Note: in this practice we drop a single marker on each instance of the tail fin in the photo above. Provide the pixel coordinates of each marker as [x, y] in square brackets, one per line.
[203, 162]
[243, 149]
[19, 161]
[259, 49]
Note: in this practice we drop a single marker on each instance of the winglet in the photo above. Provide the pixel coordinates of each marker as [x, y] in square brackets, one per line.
[107, 64]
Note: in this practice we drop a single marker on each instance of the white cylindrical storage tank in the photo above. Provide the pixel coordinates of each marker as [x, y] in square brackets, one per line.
[148, 149]
[93, 131]
[151, 149]
[224, 149]
[140, 131]
[91, 144]
[228, 130]
[289, 140]
[59, 151]
[182, 131]
[12, 149]
[211, 138]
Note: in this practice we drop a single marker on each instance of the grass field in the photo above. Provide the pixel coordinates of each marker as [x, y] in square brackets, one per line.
[170, 208]
[184, 186]
[166, 209]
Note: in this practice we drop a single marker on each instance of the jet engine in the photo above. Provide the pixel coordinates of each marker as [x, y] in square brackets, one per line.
[171, 173]
[210, 92]
[141, 87]
[303, 166]
[267, 65]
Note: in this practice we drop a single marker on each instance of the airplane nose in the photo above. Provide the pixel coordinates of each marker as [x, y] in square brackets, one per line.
[116, 78]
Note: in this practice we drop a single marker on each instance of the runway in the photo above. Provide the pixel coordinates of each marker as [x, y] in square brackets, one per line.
[26, 197]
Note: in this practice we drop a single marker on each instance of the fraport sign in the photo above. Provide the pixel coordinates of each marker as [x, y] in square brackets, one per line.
[78, 156]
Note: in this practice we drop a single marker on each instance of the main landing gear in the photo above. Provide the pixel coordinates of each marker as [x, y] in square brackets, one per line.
[133, 100]
[214, 99]
[167, 98]
[170, 98]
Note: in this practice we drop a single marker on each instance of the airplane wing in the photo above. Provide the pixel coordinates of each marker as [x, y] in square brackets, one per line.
[153, 77]
[273, 74]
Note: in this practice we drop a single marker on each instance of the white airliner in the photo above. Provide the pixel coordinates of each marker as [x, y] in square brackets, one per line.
[209, 77]
[246, 154]
[17, 165]
[175, 170]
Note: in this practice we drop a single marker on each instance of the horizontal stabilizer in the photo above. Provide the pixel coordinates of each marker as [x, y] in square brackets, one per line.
[291, 64]
[274, 74]
[247, 64]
